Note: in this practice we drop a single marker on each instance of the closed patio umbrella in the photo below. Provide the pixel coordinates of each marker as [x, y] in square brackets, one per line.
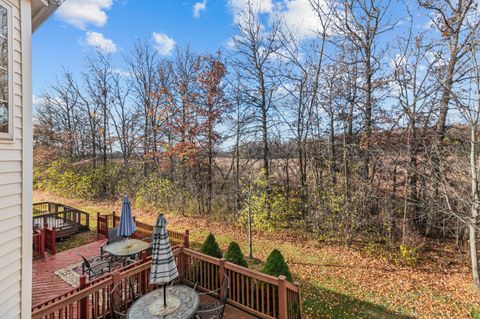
[127, 224]
[164, 269]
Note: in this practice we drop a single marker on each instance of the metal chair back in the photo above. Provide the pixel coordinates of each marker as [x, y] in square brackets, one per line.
[225, 289]
[112, 235]
[118, 301]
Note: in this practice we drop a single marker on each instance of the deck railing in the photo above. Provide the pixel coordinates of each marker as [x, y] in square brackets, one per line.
[38, 243]
[50, 240]
[67, 220]
[258, 294]
[49, 207]
[44, 239]
[144, 231]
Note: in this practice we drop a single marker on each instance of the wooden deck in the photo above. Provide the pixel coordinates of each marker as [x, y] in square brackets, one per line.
[66, 220]
[46, 285]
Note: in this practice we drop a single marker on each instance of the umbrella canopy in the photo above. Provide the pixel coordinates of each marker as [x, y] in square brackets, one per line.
[127, 224]
[164, 268]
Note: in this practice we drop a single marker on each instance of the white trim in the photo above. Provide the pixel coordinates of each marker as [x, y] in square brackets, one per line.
[42, 10]
[27, 158]
[9, 137]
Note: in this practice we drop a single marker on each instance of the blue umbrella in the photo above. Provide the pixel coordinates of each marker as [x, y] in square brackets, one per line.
[127, 224]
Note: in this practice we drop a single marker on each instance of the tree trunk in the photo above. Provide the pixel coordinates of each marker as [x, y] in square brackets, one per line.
[474, 206]
[440, 128]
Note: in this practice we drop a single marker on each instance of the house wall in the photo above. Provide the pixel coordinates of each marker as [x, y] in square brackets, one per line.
[15, 197]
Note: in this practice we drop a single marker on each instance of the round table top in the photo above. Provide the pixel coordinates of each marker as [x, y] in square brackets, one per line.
[126, 247]
[188, 297]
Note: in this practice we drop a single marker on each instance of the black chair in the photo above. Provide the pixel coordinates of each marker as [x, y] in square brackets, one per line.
[121, 298]
[95, 268]
[217, 309]
[118, 302]
[138, 256]
[112, 237]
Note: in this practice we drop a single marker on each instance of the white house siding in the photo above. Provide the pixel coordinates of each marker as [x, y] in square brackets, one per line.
[11, 187]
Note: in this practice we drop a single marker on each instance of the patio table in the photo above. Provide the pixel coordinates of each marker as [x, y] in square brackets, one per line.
[182, 303]
[126, 248]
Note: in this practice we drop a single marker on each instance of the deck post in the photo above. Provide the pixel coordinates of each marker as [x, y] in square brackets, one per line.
[182, 260]
[84, 301]
[299, 296]
[42, 242]
[113, 220]
[53, 242]
[282, 298]
[98, 224]
[144, 273]
[222, 270]
[186, 239]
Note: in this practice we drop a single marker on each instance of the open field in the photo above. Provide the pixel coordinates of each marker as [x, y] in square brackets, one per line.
[341, 281]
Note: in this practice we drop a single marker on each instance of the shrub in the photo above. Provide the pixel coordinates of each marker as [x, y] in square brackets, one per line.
[234, 255]
[210, 247]
[408, 255]
[276, 265]
[268, 211]
[156, 192]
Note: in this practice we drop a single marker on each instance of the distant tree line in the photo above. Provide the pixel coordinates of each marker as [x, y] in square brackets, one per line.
[361, 130]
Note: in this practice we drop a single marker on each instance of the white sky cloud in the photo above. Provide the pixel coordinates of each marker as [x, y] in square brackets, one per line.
[99, 41]
[262, 6]
[81, 13]
[298, 15]
[199, 7]
[398, 62]
[163, 43]
[300, 18]
[122, 73]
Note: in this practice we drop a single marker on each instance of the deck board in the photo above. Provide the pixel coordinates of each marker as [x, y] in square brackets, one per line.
[46, 285]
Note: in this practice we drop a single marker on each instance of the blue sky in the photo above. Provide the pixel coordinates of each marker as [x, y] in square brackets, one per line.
[65, 38]
[80, 26]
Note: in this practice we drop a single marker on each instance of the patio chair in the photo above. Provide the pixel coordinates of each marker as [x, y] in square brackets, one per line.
[138, 256]
[118, 302]
[112, 237]
[121, 298]
[95, 268]
[215, 310]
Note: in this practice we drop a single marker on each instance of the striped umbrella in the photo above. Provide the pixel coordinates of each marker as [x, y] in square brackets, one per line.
[127, 223]
[164, 268]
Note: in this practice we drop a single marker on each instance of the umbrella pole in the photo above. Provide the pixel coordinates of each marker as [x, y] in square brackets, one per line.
[164, 295]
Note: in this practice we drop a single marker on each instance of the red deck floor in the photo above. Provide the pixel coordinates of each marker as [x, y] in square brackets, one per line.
[46, 285]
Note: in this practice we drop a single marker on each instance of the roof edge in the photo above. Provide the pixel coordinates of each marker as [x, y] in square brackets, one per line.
[42, 10]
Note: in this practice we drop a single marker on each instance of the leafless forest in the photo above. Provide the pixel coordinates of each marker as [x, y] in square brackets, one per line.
[362, 132]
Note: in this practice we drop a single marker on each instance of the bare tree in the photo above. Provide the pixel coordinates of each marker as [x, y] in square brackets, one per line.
[143, 70]
[254, 49]
[416, 89]
[362, 22]
[98, 79]
[468, 101]
[451, 19]
[124, 118]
